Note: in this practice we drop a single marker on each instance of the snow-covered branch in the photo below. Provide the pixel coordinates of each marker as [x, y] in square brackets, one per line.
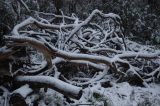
[56, 84]
[93, 52]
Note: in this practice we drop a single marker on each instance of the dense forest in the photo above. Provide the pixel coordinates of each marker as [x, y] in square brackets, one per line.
[79, 53]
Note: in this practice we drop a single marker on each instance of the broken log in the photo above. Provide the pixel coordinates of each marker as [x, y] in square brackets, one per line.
[18, 96]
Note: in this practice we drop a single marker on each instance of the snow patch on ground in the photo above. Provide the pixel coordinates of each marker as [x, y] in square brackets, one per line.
[121, 94]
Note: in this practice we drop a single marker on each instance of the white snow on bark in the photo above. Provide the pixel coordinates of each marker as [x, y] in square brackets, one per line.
[23, 91]
[54, 82]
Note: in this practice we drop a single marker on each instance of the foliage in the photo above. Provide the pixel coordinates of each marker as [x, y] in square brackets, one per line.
[6, 20]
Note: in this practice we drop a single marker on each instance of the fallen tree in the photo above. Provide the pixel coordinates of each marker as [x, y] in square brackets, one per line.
[96, 44]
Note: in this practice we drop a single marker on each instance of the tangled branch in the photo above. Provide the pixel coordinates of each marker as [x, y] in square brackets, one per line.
[99, 46]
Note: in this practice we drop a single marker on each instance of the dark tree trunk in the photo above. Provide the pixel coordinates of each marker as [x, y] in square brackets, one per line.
[58, 5]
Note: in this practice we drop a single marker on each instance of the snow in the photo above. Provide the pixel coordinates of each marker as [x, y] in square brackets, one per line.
[24, 90]
[121, 94]
[4, 49]
[138, 55]
[22, 24]
[54, 82]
